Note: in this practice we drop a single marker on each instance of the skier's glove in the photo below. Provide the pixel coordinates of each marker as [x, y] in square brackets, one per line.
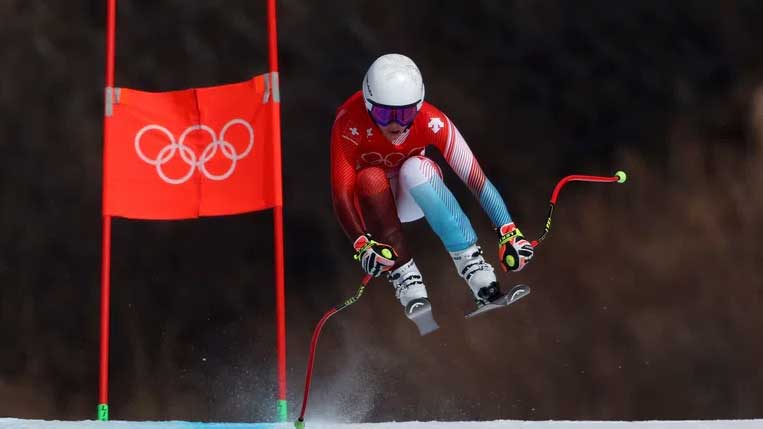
[374, 257]
[513, 249]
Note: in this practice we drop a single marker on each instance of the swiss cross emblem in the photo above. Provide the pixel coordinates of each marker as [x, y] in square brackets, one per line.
[354, 131]
[435, 124]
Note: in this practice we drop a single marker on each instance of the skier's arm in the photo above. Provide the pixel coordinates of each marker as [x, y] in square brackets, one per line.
[514, 250]
[343, 152]
[375, 258]
[461, 159]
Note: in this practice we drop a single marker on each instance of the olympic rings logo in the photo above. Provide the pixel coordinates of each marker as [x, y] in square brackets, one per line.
[390, 160]
[189, 156]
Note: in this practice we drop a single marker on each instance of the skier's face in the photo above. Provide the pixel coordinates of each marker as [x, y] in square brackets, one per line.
[392, 130]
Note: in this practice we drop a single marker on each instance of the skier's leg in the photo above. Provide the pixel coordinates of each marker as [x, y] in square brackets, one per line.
[422, 178]
[377, 205]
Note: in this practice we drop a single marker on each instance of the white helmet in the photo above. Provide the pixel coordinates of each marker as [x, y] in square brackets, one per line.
[393, 80]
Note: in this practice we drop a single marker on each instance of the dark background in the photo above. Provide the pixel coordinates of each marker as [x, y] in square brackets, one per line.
[647, 296]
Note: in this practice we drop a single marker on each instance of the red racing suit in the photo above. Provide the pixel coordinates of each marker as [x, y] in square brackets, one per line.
[357, 143]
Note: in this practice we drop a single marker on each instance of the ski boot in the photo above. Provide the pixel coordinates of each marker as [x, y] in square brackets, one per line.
[479, 275]
[410, 290]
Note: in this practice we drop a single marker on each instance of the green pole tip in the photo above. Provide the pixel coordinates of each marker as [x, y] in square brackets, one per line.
[282, 410]
[299, 424]
[621, 176]
[103, 412]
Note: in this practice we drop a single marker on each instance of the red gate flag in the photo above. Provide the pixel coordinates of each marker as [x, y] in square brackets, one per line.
[190, 153]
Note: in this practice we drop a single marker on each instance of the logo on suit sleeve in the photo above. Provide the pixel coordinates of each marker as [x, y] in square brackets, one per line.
[435, 124]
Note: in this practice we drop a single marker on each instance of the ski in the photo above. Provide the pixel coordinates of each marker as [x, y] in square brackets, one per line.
[420, 312]
[515, 294]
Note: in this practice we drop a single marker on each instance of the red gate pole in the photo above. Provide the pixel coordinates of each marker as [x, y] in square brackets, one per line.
[275, 100]
[103, 391]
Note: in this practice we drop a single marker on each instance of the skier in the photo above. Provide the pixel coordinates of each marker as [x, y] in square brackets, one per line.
[381, 177]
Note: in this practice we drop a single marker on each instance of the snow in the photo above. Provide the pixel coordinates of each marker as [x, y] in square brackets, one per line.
[10, 423]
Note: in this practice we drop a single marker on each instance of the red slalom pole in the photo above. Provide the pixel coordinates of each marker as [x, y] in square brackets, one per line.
[300, 423]
[619, 177]
[278, 235]
[103, 377]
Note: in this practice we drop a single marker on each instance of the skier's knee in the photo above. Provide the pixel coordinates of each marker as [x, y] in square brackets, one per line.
[371, 181]
[417, 170]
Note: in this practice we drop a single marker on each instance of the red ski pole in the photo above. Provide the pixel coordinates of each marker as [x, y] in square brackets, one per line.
[300, 423]
[619, 177]
[520, 291]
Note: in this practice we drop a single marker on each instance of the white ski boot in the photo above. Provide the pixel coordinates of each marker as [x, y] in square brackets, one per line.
[410, 290]
[477, 273]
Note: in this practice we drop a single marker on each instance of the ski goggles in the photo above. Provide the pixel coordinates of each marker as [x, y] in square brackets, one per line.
[384, 115]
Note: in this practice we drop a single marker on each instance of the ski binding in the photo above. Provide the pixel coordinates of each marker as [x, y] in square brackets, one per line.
[515, 294]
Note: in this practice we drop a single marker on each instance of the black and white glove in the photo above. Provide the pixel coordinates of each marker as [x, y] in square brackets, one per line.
[513, 249]
[374, 257]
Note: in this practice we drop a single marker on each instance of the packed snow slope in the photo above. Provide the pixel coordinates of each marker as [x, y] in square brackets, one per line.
[8, 423]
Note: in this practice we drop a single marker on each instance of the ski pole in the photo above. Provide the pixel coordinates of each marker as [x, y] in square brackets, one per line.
[619, 177]
[300, 423]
